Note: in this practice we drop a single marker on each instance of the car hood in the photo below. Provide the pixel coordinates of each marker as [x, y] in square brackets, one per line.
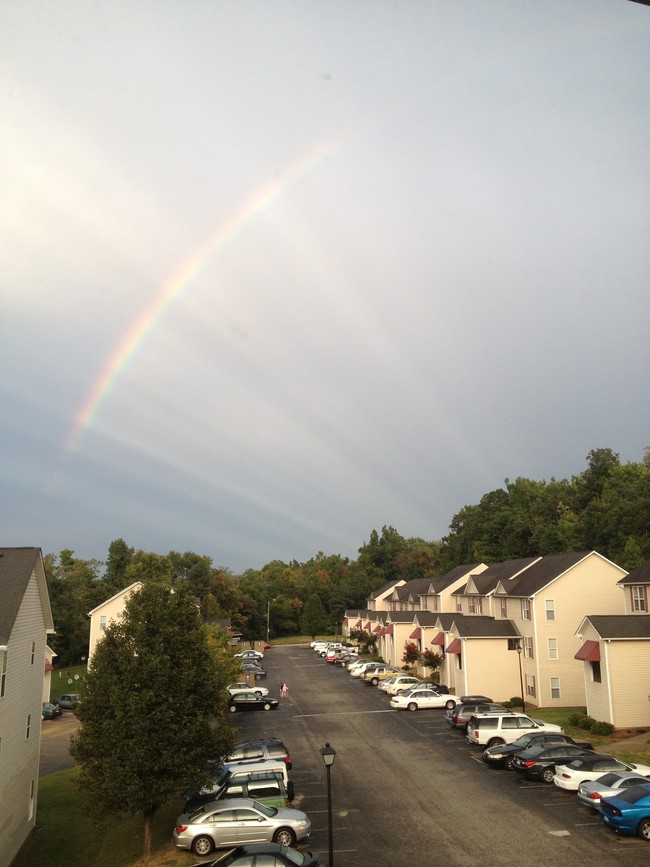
[288, 814]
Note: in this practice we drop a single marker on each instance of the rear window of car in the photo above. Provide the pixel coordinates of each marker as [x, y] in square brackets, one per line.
[487, 722]
[635, 794]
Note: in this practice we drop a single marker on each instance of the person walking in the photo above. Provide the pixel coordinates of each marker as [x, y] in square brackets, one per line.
[284, 690]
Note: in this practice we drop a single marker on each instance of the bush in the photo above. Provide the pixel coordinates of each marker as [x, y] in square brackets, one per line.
[515, 701]
[602, 728]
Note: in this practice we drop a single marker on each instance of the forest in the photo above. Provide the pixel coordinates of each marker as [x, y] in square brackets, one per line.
[605, 508]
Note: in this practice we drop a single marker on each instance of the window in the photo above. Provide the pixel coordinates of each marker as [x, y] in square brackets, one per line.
[459, 604]
[555, 687]
[552, 648]
[550, 609]
[525, 609]
[595, 672]
[639, 598]
[509, 722]
[504, 608]
[3, 672]
[32, 799]
[513, 643]
[33, 656]
[29, 726]
[528, 647]
[435, 603]
[102, 623]
[530, 685]
[475, 605]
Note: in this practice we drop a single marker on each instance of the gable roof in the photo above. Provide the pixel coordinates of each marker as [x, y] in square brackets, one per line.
[640, 575]
[115, 596]
[386, 587]
[425, 618]
[619, 626]
[548, 569]
[474, 626]
[449, 578]
[416, 587]
[16, 568]
[400, 616]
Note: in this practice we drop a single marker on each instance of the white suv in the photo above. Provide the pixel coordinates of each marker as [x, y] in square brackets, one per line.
[489, 729]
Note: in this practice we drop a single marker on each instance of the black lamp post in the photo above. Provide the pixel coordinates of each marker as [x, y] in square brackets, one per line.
[521, 678]
[329, 754]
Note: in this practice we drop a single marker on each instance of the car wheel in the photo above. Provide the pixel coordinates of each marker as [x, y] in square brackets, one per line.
[233, 709]
[495, 741]
[257, 692]
[374, 681]
[412, 706]
[267, 706]
[258, 676]
[284, 836]
[450, 704]
[202, 845]
[507, 762]
[323, 655]
[548, 774]
[644, 829]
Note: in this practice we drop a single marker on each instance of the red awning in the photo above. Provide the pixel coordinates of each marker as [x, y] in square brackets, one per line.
[455, 646]
[417, 633]
[48, 666]
[357, 625]
[378, 629]
[368, 626]
[345, 620]
[590, 652]
[388, 630]
[439, 639]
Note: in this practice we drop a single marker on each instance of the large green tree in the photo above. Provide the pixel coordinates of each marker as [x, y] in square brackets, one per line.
[154, 706]
[314, 616]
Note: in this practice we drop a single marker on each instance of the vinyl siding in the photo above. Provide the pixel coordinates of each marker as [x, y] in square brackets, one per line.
[20, 757]
[628, 664]
[489, 668]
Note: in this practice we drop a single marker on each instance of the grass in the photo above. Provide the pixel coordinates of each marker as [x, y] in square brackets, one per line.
[66, 680]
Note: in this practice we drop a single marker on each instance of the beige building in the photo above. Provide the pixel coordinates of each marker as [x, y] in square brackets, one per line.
[25, 621]
[105, 613]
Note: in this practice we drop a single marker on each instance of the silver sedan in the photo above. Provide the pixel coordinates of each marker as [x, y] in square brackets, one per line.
[610, 784]
[239, 820]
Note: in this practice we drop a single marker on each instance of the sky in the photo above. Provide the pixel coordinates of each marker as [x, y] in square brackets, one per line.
[273, 275]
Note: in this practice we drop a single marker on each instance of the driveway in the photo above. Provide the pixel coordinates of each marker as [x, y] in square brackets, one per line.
[55, 743]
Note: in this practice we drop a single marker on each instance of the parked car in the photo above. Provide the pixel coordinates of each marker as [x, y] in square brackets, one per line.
[332, 645]
[244, 770]
[459, 716]
[318, 645]
[343, 659]
[69, 700]
[381, 672]
[425, 698]
[223, 823]
[249, 654]
[251, 701]
[609, 785]
[489, 729]
[502, 755]
[234, 688]
[590, 767]
[267, 788]
[268, 748]
[267, 853]
[399, 683]
[51, 711]
[629, 812]
[423, 684]
[538, 762]
[250, 668]
[358, 670]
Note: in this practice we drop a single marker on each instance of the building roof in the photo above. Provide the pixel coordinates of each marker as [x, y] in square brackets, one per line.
[544, 572]
[401, 616]
[425, 618]
[449, 578]
[122, 592]
[386, 587]
[16, 568]
[417, 587]
[475, 626]
[620, 626]
[640, 575]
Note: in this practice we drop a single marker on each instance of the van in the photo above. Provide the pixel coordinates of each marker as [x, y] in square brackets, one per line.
[490, 729]
[245, 770]
[265, 787]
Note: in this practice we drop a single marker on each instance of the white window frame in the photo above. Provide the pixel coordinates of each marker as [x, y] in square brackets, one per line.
[102, 623]
[504, 607]
[556, 691]
[33, 654]
[552, 648]
[638, 598]
[528, 647]
[530, 685]
[525, 609]
[29, 726]
[550, 609]
[3, 672]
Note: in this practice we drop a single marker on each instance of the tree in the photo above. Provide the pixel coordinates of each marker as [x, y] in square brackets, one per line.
[314, 616]
[119, 558]
[411, 653]
[431, 660]
[154, 710]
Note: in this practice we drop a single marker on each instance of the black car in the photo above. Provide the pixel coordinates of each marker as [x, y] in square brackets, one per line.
[256, 670]
[251, 701]
[279, 855]
[538, 762]
[502, 755]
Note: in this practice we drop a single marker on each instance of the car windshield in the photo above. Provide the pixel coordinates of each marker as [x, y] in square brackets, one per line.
[522, 741]
[268, 811]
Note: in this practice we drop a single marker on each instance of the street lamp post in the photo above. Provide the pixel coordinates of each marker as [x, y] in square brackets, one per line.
[268, 619]
[329, 754]
[521, 678]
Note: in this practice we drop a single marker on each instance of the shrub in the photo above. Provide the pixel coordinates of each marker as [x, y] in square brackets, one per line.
[515, 701]
[411, 653]
[602, 728]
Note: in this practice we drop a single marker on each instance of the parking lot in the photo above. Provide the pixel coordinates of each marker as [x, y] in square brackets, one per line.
[406, 789]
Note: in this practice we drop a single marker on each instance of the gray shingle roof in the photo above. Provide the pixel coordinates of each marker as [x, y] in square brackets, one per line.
[449, 578]
[640, 575]
[484, 627]
[541, 573]
[16, 568]
[377, 593]
[621, 625]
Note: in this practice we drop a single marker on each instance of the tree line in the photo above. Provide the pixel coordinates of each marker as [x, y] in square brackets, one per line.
[606, 508]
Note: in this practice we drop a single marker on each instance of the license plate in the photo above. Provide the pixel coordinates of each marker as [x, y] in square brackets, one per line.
[606, 818]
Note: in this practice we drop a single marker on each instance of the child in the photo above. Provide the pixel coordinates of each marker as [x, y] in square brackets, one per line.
[284, 690]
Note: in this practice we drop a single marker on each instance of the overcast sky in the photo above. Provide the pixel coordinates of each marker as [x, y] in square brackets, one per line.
[274, 274]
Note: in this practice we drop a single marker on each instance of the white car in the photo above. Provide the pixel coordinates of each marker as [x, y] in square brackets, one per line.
[236, 688]
[424, 698]
[400, 683]
[570, 776]
[358, 670]
[383, 685]
[251, 655]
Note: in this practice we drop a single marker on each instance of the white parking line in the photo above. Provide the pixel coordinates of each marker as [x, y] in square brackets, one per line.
[341, 713]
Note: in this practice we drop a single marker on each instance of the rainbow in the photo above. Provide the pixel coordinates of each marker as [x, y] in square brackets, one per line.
[176, 285]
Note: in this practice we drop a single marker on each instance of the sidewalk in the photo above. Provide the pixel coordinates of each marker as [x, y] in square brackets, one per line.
[637, 743]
